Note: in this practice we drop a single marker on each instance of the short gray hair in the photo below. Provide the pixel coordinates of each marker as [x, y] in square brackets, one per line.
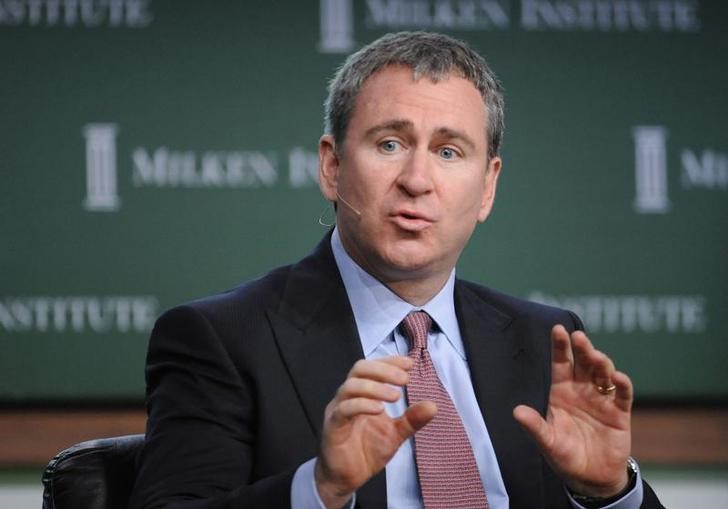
[435, 56]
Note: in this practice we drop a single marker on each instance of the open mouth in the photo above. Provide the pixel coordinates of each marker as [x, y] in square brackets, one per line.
[411, 221]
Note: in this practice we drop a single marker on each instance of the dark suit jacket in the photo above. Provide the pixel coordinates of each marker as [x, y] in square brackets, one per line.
[237, 385]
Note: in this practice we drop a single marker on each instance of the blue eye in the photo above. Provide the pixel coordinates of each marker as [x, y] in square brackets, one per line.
[389, 145]
[448, 153]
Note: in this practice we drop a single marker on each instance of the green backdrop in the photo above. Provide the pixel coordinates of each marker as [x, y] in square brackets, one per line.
[152, 152]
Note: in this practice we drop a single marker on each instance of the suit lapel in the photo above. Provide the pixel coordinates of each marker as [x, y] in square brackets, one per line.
[504, 374]
[316, 333]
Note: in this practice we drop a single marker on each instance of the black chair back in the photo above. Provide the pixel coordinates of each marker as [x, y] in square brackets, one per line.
[98, 474]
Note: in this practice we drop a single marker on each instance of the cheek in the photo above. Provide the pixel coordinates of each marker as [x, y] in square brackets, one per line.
[467, 199]
[372, 190]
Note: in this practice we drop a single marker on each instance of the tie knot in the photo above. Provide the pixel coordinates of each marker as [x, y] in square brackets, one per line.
[416, 326]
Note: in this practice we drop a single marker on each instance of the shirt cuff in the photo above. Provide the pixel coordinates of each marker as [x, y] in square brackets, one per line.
[631, 500]
[304, 494]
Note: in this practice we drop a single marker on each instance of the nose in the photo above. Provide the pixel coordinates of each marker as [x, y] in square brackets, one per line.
[415, 176]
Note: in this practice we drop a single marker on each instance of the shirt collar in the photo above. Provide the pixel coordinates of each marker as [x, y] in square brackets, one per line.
[378, 310]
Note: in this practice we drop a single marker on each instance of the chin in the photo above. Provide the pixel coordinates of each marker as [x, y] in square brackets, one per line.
[406, 265]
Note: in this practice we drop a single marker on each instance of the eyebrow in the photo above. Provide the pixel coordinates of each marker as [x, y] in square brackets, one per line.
[446, 132]
[404, 125]
[390, 125]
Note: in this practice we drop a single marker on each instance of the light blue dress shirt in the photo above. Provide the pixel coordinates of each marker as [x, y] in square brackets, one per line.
[378, 312]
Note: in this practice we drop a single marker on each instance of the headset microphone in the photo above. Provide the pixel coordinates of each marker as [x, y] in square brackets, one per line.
[348, 204]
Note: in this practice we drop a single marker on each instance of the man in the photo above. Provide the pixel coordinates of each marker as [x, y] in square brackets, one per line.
[315, 385]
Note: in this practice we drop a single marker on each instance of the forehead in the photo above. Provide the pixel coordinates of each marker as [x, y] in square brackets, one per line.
[394, 94]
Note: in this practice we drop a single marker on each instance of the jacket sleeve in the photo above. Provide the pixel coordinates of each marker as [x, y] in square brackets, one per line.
[200, 441]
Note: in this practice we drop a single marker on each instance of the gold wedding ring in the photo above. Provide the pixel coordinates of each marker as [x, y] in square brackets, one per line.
[606, 389]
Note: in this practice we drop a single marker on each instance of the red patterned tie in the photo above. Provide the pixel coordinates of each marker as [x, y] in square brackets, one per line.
[446, 466]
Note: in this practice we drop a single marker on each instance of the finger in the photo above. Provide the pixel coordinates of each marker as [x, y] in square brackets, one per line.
[401, 361]
[362, 387]
[624, 395]
[415, 418]
[392, 370]
[562, 359]
[354, 407]
[591, 364]
[535, 425]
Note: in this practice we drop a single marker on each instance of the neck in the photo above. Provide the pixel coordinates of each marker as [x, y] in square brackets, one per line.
[416, 286]
[416, 291]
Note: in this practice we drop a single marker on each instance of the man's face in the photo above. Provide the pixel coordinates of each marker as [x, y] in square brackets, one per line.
[414, 172]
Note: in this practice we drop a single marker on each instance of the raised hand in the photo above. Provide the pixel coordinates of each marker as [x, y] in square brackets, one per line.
[359, 438]
[586, 435]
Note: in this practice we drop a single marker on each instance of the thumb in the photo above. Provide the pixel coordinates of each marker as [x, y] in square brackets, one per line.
[415, 418]
[534, 424]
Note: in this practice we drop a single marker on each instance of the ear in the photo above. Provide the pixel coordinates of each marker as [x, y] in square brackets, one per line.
[328, 167]
[491, 179]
